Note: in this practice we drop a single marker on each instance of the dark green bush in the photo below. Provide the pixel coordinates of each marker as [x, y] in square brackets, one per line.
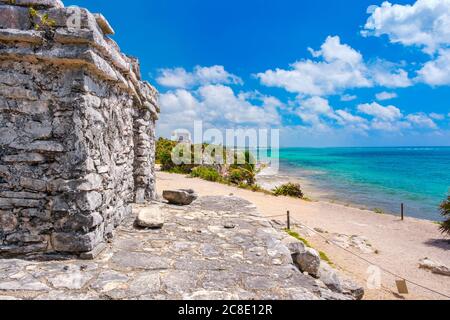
[163, 154]
[289, 189]
[241, 175]
[445, 211]
[206, 173]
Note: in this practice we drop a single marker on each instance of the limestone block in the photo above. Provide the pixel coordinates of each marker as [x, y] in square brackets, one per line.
[104, 24]
[74, 242]
[8, 221]
[12, 17]
[39, 4]
[32, 158]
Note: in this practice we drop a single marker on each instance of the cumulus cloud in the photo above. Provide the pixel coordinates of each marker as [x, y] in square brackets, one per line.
[385, 96]
[337, 67]
[425, 24]
[421, 120]
[388, 113]
[180, 78]
[217, 106]
[436, 72]
[317, 114]
[437, 116]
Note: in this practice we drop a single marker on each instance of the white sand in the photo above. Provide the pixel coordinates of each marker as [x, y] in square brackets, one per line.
[400, 244]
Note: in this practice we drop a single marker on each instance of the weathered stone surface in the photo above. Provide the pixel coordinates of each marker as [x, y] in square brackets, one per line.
[14, 18]
[295, 246]
[33, 184]
[308, 261]
[330, 278]
[89, 201]
[338, 284]
[193, 257]
[8, 221]
[24, 157]
[179, 197]
[73, 242]
[151, 217]
[36, 3]
[104, 24]
[73, 280]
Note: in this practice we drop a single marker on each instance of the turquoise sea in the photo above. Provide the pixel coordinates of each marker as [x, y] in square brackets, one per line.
[372, 178]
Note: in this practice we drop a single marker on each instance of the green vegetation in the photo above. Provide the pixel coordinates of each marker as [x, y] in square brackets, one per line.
[323, 255]
[378, 210]
[298, 237]
[237, 173]
[42, 21]
[241, 172]
[206, 173]
[445, 211]
[289, 189]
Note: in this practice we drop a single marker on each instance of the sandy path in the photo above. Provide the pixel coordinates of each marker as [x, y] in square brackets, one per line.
[400, 244]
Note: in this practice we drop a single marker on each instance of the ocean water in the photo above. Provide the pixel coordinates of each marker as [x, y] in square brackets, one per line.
[373, 178]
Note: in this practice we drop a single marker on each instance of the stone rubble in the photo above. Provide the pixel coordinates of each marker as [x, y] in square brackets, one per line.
[192, 257]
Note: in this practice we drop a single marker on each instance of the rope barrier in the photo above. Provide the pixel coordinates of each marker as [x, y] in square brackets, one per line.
[368, 261]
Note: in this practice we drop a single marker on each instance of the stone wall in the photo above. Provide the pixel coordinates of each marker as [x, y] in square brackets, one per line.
[77, 128]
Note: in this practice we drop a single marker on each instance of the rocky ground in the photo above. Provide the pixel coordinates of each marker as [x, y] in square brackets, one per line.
[215, 248]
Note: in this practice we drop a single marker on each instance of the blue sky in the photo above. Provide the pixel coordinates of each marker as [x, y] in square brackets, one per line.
[326, 73]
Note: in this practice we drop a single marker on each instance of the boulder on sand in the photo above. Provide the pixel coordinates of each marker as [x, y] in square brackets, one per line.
[434, 267]
[336, 283]
[181, 197]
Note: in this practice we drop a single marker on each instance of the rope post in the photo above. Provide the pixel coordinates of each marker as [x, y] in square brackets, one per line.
[289, 220]
[403, 211]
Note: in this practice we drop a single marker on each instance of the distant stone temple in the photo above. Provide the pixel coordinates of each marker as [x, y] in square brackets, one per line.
[77, 130]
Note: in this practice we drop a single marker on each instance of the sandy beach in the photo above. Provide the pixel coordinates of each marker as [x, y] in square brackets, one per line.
[392, 244]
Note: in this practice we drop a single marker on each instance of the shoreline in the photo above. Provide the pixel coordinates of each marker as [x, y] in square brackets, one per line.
[320, 194]
[397, 245]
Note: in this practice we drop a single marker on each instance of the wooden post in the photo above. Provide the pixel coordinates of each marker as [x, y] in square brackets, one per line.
[403, 211]
[289, 220]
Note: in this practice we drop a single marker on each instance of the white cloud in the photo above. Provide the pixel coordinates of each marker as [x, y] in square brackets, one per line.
[180, 78]
[425, 24]
[388, 74]
[437, 72]
[437, 116]
[348, 97]
[217, 106]
[421, 120]
[385, 96]
[339, 67]
[379, 112]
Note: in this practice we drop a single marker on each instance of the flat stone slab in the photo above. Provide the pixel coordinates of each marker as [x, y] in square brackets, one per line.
[196, 255]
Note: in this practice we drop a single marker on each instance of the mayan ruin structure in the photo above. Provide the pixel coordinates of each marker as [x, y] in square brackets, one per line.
[77, 130]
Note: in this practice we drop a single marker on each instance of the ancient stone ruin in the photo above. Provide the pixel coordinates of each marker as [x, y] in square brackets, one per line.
[76, 130]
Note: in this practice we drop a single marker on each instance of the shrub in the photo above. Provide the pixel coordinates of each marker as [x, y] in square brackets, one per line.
[163, 154]
[445, 211]
[206, 173]
[289, 189]
[242, 175]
